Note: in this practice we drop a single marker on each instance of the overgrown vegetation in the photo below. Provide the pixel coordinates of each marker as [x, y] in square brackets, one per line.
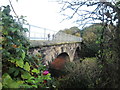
[91, 37]
[19, 68]
[80, 75]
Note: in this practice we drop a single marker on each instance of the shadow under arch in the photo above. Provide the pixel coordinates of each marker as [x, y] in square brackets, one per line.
[57, 66]
[77, 54]
[64, 55]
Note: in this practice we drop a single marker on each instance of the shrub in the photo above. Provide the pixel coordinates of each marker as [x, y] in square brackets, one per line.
[80, 75]
[20, 69]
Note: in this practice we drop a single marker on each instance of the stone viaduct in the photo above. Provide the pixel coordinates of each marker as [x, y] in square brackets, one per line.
[63, 45]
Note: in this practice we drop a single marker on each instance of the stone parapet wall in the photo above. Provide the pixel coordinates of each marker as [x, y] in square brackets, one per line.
[63, 37]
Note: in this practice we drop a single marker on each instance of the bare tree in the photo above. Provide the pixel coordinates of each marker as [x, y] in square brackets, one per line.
[90, 11]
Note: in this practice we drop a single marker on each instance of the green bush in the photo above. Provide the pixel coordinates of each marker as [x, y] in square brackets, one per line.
[20, 69]
[80, 75]
[91, 36]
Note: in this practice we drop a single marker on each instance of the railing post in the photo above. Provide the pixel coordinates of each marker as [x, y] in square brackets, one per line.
[44, 32]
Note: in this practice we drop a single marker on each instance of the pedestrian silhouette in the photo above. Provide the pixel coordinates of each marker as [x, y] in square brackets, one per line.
[53, 36]
[48, 37]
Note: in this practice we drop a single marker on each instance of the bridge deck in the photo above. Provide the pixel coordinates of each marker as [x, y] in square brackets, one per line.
[38, 43]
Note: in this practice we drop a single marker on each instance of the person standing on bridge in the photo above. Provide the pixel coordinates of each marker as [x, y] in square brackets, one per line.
[53, 36]
[48, 37]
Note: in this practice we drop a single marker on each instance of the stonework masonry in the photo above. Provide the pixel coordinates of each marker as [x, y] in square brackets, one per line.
[51, 52]
[61, 43]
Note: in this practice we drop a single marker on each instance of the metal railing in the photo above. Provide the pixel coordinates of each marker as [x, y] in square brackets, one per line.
[39, 33]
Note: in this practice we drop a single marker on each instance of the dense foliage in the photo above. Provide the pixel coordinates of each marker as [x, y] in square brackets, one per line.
[80, 75]
[19, 68]
[91, 36]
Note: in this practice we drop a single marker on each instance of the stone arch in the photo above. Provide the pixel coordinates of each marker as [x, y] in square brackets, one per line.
[64, 55]
[59, 62]
[76, 54]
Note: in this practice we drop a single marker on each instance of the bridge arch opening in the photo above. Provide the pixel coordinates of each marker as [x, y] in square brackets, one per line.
[57, 67]
[77, 54]
[64, 55]
[59, 62]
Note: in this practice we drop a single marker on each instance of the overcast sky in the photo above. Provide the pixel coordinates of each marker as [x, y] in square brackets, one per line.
[43, 13]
